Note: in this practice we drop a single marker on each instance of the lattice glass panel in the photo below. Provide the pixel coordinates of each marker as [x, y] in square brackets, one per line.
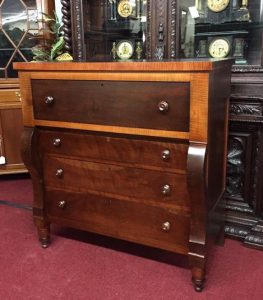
[18, 27]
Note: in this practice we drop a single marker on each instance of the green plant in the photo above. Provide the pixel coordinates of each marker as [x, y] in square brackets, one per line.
[51, 48]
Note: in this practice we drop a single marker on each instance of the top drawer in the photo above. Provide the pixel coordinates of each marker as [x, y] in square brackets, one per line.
[153, 105]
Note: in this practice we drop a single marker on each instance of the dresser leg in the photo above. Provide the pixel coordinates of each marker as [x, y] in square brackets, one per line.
[44, 234]
[198, 278]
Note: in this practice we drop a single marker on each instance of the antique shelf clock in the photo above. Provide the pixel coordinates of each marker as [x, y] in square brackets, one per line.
[222, 29]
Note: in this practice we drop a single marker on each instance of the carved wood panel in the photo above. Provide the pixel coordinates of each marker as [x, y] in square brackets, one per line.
[244, 203]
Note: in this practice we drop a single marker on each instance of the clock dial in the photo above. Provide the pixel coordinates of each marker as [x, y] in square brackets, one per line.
[124, 49]
[124, 8]
[217, 5]
[219, 48]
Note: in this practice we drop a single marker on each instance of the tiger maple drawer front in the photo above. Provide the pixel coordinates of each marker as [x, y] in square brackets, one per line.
[172, 155]
[115, 180]
[150, 225]
[153, 105]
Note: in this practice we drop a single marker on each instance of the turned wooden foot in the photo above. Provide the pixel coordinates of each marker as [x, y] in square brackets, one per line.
[198, 284]
[44, 235]
[44, 242]
[198, 279]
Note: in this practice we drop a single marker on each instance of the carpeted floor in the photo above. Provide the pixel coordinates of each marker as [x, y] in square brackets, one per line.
[79, 265]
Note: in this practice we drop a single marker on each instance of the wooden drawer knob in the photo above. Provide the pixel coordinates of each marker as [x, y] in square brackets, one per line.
[166, 226]
[166, 190]
[166, 154]
[49, 100]
[163, 106]
[59, 173]
[56, 142]
[62, 204]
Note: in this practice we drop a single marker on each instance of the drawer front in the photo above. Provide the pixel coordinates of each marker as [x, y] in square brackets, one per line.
[117, 181]
[9, 95]
[149, 225]
[152, 105]
[170, 156]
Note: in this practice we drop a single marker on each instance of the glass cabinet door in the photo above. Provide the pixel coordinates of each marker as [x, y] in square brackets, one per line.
[106, 30]
[221, 28]
[115, 29]
[18, 27]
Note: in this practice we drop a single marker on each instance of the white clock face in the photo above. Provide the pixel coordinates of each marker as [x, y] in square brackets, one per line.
[217, 5]
[219, 48]
[125, 49]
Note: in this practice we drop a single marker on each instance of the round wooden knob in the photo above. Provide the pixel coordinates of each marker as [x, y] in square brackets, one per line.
[62, 204]
[56, 142]
[49, 100]
[59, 172]
[166, 226]
[163, 106]
[166, 190]
[166, 154]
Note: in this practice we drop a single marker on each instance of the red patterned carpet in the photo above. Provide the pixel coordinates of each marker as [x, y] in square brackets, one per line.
[80, 266]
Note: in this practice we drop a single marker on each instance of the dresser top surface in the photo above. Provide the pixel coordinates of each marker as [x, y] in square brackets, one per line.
[144, 66]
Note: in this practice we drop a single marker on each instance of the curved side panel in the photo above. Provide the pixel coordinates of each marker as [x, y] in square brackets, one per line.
[31, 160]
[196, 188]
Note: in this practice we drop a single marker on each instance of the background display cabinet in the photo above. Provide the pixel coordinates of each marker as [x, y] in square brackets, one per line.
[221, 28]
[106, 30]
[168, 29]
[120, 29]
[231, 28]
[19, 26]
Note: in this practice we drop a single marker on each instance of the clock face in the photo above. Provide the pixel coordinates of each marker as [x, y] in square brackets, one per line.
[217, 5]
[124, 49]
[124, 8]
[219, 48]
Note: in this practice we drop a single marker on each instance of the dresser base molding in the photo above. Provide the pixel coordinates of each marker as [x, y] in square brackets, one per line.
[129, 155]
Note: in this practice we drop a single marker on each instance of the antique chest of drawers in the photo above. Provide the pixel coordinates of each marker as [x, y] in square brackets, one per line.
[134, 151]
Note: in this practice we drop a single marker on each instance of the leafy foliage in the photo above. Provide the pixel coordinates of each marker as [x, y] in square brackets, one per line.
[50, 48]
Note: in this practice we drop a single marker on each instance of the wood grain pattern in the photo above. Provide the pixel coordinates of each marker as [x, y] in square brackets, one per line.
[105, 148]
[122, 219]
[106, 173]
[114, 129]
[125, 182]
[111, 103]
[146, 66]
[198, 111]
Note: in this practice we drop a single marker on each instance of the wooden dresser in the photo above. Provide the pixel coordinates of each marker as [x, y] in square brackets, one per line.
[131, 150]
[11, 127]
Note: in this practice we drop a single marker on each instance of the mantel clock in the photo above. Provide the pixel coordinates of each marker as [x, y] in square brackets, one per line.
[222, 29]
[221, 11]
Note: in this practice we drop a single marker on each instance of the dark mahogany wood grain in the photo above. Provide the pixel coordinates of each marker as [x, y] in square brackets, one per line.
[129, 104]
[199, 218]
[128, 220]
[116, 180]
[32, 162]
[137, 152]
